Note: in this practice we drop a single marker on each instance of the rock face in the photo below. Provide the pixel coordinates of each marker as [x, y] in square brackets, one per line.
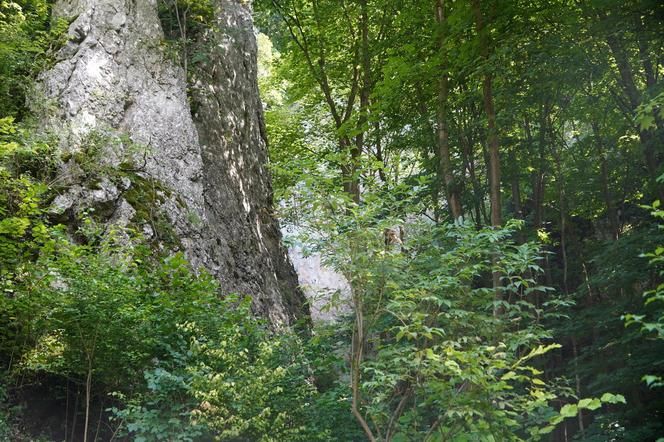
[328, 291]
[195, 183]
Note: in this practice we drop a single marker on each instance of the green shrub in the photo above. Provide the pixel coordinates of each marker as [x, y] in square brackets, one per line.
[436, 351]
[107, 316]
[239, 383]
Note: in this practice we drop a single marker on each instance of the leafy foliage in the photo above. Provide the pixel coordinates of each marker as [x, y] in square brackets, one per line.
[575, 98]
[652, 322]
[431, 358]
[110, 314]
[27, 37]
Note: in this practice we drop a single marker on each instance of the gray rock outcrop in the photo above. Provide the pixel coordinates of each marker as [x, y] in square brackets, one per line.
[327, 290]
[196, 183]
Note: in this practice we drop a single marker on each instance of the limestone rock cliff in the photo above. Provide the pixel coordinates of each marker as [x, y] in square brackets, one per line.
[196, 183]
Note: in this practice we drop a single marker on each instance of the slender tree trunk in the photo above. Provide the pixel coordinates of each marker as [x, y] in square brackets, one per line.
[101, 410]
[73, 424]
[467, 143]
[650, 78]
[365, 90]
[578, 386]
[317, 66]
[88, 391]
[485, 179]
[469, 160]
[516, 197]
[348, 171]
[614, 224]
[444, 162]
[538, 179]
[563, 215]
[494, 155]
[66, 410]
[624, 69]
[492, 138]
[357, 353]
[353, 175]
[538, 174]
[379, 153]
[632, 93]
[516, 188]
[431, 132]
[648, 70]
[182, 26]
[476, 114]
[492, 135]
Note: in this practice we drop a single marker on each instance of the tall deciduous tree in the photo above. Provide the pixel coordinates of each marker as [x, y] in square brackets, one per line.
[442, 132]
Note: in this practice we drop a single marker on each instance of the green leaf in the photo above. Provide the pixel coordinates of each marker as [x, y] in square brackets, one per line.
[538, 351]
[546, 430]
[590, 403]
[611, 398]
[509, 375]
[650, 379]
[431, 355]
[569, 410]
[646, 121]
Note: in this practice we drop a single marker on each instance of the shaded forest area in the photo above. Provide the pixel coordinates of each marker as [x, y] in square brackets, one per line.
[544, 112]
[485, 174]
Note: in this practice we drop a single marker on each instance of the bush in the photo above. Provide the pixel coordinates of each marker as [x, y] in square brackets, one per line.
[180, 362]
[436, 351]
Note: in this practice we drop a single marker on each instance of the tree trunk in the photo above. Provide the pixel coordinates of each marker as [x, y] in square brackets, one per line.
[444, 161]
[469, 160]
[379, 153]
[633, 97]
[349, 176]
[648, 70]
[650, 79]
[560, 180]
[536, 176]
[516, 188]
[467, 142]
[578, 386]
[431, 132]
[365, 89]
[492, 137]
[317, 65]
[516, 197]
[539, 171]
[614, 224]
[88, 391]
[357, 353]
[74, 419]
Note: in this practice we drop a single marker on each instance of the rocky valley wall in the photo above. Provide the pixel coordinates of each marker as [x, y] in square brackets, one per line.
[133, 151]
